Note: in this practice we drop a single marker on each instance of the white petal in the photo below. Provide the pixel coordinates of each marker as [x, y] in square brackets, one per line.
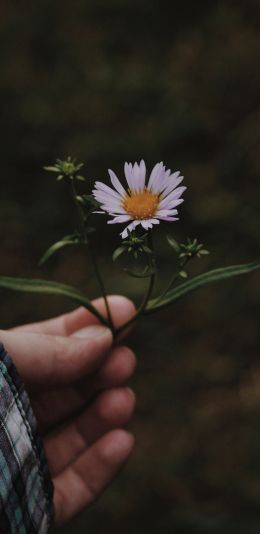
[110, 206]
[135, 177]
[103, 199]
[153, 221]
[124, 234]
[171, 204]
[176, 202]
[142, 175]
[167, 218]
[170, 177]
[129, 228]
[116, 183]
[138, 177]
[165, 213]
[128, 174]
[113, 210]
[176, 193]
[171, 185]
[103, 194]
[146, 224]
[157, 175]
[171, 198]
[103, 187]
[165, 179]
[119, 219]
[154, 174]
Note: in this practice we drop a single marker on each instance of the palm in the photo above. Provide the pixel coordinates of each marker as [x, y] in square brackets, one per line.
[81, 407]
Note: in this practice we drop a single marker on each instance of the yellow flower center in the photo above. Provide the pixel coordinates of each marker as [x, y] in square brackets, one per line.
[141, 205]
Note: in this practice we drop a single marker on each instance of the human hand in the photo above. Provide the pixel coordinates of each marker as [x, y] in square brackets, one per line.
[75, 379]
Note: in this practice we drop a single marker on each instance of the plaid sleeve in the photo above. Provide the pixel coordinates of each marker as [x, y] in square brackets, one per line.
[25, 485]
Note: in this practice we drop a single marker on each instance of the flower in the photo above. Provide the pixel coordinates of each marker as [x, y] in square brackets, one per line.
[141, 203]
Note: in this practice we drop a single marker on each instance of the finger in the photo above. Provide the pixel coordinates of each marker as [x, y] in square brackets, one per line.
[116, 370]
[84, 480]
[45, 360]
[122, 309]
[112, 409]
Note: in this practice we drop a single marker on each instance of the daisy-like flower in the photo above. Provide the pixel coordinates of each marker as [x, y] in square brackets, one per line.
[141, 203]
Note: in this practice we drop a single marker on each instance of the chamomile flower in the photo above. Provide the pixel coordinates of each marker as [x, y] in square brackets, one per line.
[143, 202]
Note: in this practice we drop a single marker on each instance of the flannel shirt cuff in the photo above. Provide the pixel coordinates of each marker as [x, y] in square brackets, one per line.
[26, 490]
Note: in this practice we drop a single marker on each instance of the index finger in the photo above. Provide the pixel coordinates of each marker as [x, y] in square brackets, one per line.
[122, 309]
[47, 361]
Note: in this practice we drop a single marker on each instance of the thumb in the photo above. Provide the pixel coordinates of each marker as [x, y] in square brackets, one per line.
[47, 360]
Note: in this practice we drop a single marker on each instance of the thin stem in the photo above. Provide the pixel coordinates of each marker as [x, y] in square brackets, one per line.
[173, 280]
[81, 218]
[102, 288]
[141, 309]
[80, 212]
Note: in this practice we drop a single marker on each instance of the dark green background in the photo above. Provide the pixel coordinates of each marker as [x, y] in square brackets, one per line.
[109, 81]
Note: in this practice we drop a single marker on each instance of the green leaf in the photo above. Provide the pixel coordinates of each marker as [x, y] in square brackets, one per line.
[173, 243]
[67, 240]
[146, 249]
[118, 252]
[204, 252]
[183, 274]
[28, 285]
[52, 169]
[199, 281]
[80, 200]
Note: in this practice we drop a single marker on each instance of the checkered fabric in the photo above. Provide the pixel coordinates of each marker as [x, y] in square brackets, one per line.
[25, 485]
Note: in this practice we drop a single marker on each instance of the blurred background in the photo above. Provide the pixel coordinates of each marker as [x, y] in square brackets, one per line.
[109, 81]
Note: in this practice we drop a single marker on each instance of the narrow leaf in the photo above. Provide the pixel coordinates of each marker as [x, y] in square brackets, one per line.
[199, 281]
[67, 240]
[173, 243]
[28, 285]
[118, 252]
[52, 169]
[146, 249]
[204, 252]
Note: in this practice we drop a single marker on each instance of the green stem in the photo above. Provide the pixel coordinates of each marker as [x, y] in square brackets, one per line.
[102, 289]
[83, 232]
[80, 212]
[173, 280]
[142, 307]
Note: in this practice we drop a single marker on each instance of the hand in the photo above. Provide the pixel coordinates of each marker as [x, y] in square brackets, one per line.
[74, 375]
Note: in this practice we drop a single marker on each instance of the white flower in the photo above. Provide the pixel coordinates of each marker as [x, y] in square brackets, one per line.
[141, 203]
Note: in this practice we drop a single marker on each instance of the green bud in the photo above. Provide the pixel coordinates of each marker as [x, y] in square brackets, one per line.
[67, 168]
[191, 249]
[136, 244]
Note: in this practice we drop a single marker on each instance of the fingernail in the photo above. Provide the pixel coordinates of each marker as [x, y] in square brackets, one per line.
[96, 331]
